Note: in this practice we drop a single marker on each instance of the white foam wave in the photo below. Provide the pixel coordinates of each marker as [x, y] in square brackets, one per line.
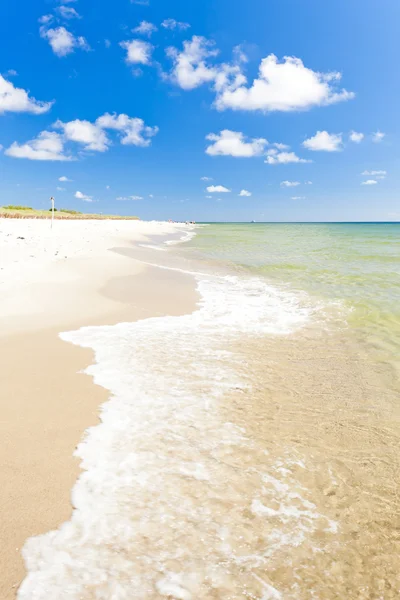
[175, 499]
[185, 238]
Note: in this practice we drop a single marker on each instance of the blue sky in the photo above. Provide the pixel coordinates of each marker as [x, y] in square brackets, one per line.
[136, 102]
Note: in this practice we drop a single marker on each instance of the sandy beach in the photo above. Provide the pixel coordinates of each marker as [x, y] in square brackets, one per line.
[51, 281]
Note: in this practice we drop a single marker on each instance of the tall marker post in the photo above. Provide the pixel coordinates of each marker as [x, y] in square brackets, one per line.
[52, 211]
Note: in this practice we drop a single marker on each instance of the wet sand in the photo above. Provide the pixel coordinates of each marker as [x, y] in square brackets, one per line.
[46, 402]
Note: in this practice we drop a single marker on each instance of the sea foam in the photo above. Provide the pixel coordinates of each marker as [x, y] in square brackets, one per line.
[176, 500]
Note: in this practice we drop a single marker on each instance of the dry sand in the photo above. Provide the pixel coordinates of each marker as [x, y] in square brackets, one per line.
[46, 403]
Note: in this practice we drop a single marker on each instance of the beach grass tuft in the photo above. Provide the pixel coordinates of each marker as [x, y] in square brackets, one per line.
[26, 212]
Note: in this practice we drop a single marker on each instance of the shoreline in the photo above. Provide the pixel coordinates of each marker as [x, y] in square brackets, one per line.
[52, 404]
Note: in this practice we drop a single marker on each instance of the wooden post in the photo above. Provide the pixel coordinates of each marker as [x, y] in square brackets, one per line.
[52, 211]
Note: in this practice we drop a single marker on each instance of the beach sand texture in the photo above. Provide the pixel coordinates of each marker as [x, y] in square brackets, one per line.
[52, 281]
[245, 450]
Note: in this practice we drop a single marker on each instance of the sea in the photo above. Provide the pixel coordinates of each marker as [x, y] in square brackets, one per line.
[250, 449]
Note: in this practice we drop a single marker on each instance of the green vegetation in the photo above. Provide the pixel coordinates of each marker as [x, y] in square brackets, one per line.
[17, 207]
[25, 212]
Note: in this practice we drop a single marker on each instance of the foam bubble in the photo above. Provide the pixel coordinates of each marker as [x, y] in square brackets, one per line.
[165, 506]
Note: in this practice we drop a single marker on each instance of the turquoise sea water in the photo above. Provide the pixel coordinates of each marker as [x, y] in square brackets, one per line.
[249, 449]
[355, 264]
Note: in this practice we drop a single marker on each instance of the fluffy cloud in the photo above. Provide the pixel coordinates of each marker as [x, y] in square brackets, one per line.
[281, 146]
[283, 158]
[190, 69]
[212, 189]
[84, 132]
[13, 99]
[206, 178]
[369, 182]
[85, 197]
[290, 183]
[378, 136]
[377, 174]
[45, 19]
[67, 12]
[284, 86]
[324, 141]
[172, 24]
[245, 193]
[233, 143]
[49, 145]
[145, 28]
[356, 137]
[62, 41]
[63, 178]
[134, 131]
[138, 52]
[298, 198]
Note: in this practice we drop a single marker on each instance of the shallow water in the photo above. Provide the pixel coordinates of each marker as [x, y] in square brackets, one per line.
[249, 450]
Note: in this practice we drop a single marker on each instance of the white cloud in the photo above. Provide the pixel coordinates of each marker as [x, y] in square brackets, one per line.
[151, 196]
[172, 24]
[63, 178]
[281, 146]
[284, 86]
[67, 12]
[324, 141]
[130, 198]
[369, 182]
[85, 197]
[298, 198]
[208, 196]
[376, 174]
[206, 178]
[49, 145]
[62, 41]
[356, 137]
[45, 19]
[84, 132]
[13, 99]
[138, 52]
[290, 183]
[233, 143]
[378, 136]
[211, 189]
[245, 193]
[60, 189]
[190, 69]
[134, 131]
[145, 28]
[107, 43]
[283, 158]
[308, 183]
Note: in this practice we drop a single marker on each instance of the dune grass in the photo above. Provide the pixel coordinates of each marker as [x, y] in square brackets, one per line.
[25, 212]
